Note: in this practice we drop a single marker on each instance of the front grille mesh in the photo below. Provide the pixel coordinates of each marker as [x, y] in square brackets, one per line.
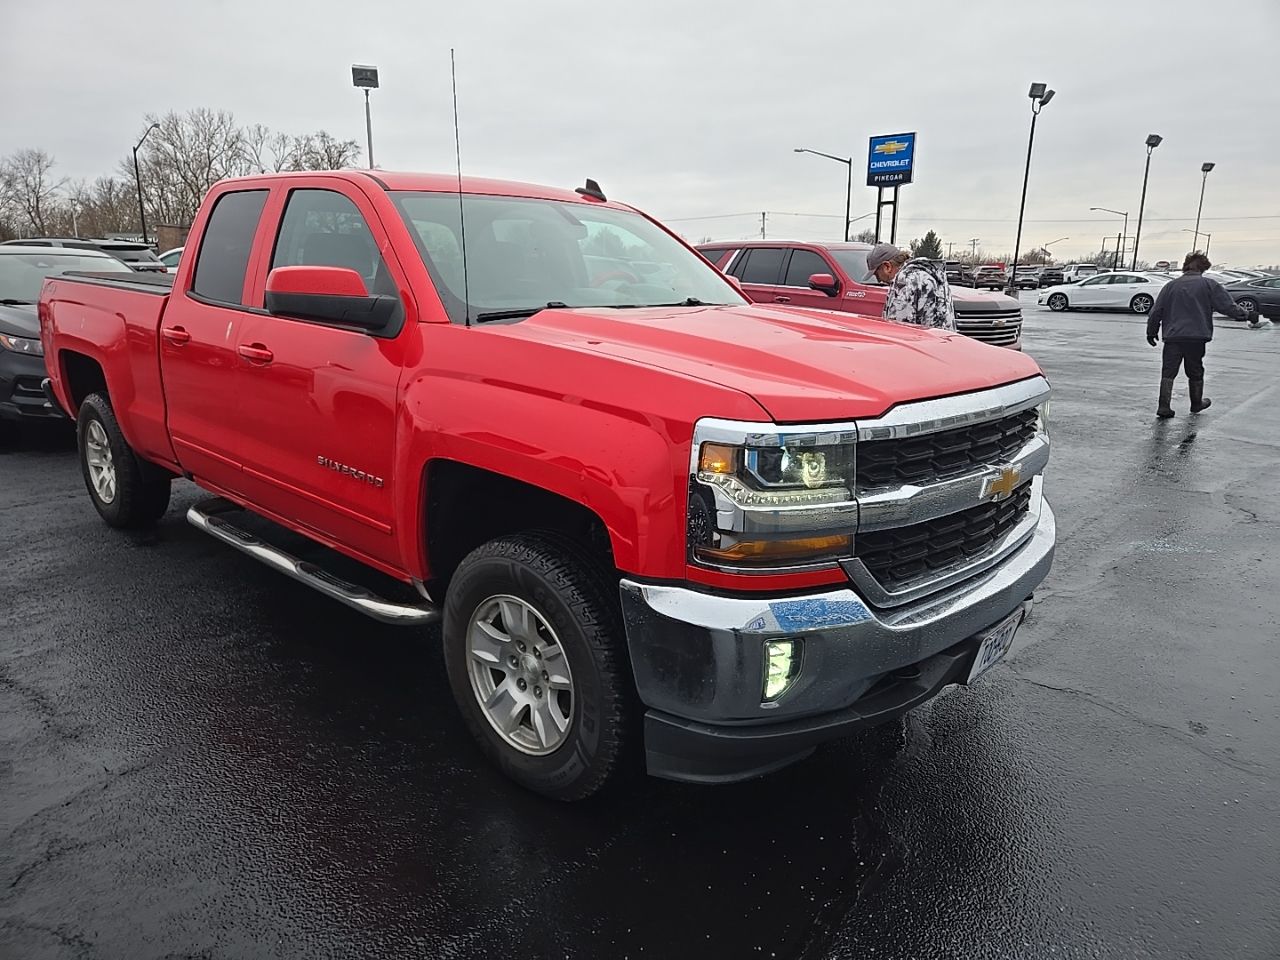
[904, 554]
[1000, 328]
[941, 456]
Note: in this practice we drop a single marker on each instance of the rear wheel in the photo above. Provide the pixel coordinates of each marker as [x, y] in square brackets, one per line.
[1058, 302]
[1249, 304]
[536, 661]
[126, 490]
[1141, 303]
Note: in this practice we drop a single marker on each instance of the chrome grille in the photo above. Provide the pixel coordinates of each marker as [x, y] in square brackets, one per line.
[904, 554]
[932, 457]
[1002, 328]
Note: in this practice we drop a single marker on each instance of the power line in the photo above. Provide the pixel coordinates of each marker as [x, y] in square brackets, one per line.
[832, 216]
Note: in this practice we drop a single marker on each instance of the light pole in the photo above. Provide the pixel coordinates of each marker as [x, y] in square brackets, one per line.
[848, 193]
[1201, 233]
[142, 214]
[1153, 141]
[1040, 95]
[1204, 169]
[366, 77]
[1115, 262]
[1046, 247]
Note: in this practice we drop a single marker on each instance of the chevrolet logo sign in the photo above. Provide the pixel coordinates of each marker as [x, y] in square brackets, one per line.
[890, 147]
[1002, 486]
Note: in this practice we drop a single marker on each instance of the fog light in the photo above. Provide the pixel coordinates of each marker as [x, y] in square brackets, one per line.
[781, 665]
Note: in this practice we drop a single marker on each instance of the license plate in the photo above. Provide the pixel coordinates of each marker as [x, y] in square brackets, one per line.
[994, 646]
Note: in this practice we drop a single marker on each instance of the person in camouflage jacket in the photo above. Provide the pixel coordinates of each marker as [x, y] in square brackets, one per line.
[918, 288]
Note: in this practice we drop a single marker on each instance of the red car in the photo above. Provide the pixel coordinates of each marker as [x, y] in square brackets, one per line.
[645, 513]
[834, 276]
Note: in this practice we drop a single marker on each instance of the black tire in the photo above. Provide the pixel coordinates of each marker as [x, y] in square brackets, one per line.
[140, 494]
[576, 596]
[1058, 302]
[1141, 304]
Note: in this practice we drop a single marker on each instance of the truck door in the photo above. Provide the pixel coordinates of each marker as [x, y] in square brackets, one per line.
[198, 331]
[795, 287]
[318, 407]
[760, 270]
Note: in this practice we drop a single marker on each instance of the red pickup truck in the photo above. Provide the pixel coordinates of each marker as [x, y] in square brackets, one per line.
[650, 515]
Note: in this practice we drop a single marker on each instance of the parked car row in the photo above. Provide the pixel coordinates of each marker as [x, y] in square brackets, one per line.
[23, 270]
[138, 256]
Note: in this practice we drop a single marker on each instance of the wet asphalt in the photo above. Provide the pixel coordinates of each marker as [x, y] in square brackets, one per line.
[200, 758]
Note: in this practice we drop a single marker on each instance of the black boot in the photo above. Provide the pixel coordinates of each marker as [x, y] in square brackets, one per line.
[1198, 400]
[1164, 411]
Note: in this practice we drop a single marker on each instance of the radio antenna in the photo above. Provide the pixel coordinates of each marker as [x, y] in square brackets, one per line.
[462, 218]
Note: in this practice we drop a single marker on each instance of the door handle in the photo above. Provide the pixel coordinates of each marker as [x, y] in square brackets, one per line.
[781, 299]
[255, 353]
[175, 335]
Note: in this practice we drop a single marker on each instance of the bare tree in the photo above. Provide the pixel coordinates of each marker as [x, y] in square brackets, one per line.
[28, 190]
[322, 151]
[866, 236]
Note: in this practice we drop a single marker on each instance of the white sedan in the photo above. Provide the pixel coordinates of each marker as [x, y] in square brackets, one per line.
[1107, 291]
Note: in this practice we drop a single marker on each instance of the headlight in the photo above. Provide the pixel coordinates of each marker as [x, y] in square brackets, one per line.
[771, 497]
[22, 345]
[1042, 419]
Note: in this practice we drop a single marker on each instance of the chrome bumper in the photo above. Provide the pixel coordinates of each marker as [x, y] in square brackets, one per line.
[698, 657]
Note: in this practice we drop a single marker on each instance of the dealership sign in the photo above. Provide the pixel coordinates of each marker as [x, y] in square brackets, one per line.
[891, 159]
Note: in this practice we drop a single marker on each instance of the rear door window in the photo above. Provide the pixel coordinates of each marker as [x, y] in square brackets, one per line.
[761, 265]
[225, 248]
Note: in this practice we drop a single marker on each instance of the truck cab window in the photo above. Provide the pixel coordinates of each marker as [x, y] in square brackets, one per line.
[323, 228]
[225, 248]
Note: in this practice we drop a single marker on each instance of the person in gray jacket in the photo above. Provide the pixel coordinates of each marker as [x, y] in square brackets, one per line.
[1183, 316]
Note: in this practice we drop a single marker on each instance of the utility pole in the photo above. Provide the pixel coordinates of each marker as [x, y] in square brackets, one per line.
[950, 244]
[137, 175]
[973, 248]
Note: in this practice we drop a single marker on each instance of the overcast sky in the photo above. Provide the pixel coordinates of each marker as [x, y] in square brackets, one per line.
[691, 108]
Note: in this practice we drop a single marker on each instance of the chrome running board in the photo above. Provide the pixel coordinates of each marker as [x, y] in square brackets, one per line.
[208, 516]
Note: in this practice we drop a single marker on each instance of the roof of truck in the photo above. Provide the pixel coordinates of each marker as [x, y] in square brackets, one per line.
[438, 183]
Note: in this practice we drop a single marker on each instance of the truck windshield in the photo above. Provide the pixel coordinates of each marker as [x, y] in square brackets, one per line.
[23, 274]
[524, 254]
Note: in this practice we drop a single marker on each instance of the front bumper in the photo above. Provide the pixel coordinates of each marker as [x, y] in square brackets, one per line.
[698, 662]
[22, 395]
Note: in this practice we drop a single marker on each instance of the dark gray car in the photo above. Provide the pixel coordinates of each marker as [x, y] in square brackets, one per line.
[1261, 295]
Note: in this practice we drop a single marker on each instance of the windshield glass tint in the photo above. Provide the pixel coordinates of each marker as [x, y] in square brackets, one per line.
[525, 253]
[854, 263]
[23, 274]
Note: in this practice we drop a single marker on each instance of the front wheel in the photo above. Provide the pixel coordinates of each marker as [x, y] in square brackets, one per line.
[127, 491]
[1249, 304]
[1142, 303]
[535, 655]
[1058, 302]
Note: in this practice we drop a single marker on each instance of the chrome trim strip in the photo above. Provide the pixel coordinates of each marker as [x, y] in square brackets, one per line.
[875, 594]
[948, 413]
[903, 506]
[206, 516]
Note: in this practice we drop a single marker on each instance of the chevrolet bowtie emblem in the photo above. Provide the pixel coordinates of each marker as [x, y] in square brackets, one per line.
[891, 147]
[1000, 487]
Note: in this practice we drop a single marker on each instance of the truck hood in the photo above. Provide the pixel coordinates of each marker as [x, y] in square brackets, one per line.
[981, 301]
[800, 365]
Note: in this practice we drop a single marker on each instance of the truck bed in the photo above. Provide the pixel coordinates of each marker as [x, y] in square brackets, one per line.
[154, 283]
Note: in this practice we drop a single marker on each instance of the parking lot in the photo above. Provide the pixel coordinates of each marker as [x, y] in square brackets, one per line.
[202, 758]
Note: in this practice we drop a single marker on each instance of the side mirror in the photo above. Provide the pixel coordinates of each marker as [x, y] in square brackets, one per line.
[824, 282]
[737, 284]
[327, 295]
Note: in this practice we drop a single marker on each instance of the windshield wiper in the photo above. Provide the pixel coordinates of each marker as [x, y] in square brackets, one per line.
[518, 314]
[688, 302]
[10, 302]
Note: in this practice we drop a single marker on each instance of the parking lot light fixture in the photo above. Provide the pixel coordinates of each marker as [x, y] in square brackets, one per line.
[1204, 170]
[848, 193]
[1040, 95]
[137, 175]
[1201, 233]
[366, 78]
[1153, 141]
[1115, 262]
